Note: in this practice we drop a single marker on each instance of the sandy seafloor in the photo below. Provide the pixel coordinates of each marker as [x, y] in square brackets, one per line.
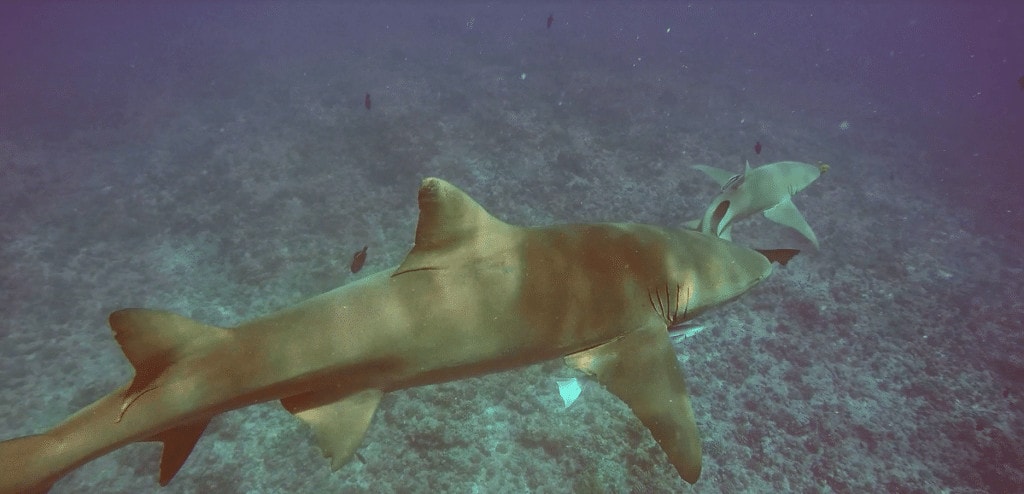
[219, 162]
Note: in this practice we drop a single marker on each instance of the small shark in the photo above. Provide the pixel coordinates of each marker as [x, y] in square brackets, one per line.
[474, 295]
[768, 188]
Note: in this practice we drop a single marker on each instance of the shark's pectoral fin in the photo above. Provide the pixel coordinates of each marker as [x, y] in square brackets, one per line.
[338, 426]
[717, 174]
[641, 369]
[786, 213]
[178, 444]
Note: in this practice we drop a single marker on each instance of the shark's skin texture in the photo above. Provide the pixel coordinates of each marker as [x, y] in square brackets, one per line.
[767, 188]
[473, 296]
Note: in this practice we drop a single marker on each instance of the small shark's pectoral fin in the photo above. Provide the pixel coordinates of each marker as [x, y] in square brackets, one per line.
[786, 213]
[338, 426]
[717, 174]
[178, 444]
[781, 256]
[641, 369]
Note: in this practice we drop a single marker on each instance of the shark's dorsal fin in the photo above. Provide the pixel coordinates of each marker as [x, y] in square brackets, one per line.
[641, 369]
[338, 426]
[450, 224]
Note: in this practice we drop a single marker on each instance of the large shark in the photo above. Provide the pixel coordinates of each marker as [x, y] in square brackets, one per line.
[768, 189]
[473, 296]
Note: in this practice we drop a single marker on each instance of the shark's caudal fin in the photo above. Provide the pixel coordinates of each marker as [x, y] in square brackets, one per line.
[641, 369]
[19, 473]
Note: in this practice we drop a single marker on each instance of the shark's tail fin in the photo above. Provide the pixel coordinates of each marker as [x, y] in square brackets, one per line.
[22, 472]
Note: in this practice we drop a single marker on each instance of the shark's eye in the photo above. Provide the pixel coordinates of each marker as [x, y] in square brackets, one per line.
[717, 216]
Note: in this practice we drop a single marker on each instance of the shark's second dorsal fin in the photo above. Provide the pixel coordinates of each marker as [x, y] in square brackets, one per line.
[154, 341]
[450, 223]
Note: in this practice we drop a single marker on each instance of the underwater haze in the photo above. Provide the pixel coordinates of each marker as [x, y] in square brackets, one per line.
[223, 160]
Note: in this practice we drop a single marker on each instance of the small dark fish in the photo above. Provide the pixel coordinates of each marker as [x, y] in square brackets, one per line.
[551, 18]
[358, 259]
[1019, 81]
[757, 145]
[366, 101]
[1006, 392]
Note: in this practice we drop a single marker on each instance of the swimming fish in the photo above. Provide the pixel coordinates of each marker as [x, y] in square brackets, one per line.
[366, 101]
[766, 189]
[358, 259]
[475, 295]
[551, 18]
[757, 147]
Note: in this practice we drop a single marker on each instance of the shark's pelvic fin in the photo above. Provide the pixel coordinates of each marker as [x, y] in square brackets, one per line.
[641, 369]
[450, 224]
[338, 426]
[786, 213]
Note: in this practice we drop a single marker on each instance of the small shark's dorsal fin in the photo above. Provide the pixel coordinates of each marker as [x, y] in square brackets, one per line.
[451, 223]
[338, 426]
[641, 369]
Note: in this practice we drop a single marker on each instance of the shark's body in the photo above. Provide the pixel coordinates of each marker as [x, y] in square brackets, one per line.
[768, 189]
[474, 295]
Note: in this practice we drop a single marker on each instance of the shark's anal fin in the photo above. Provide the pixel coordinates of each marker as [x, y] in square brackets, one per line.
[178, 444]
[786, 213]
[338, 426]
[641, 369]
